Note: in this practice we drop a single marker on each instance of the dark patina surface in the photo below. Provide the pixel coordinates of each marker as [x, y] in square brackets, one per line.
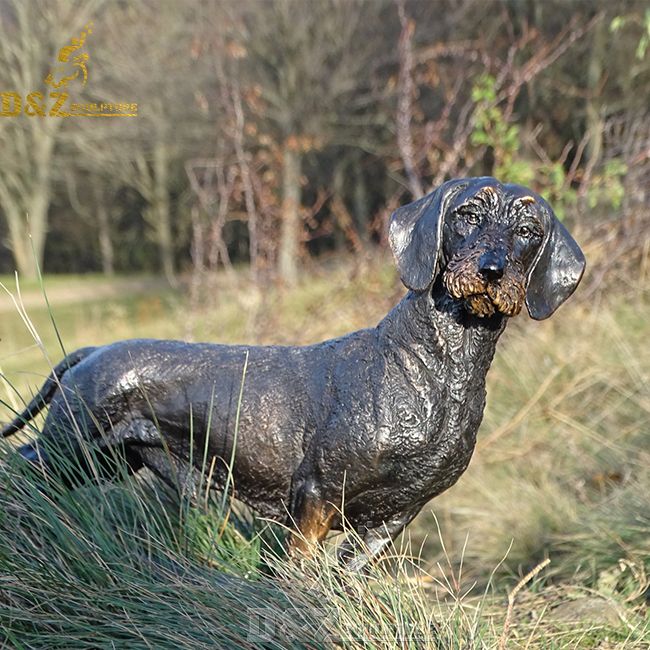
[371, 425]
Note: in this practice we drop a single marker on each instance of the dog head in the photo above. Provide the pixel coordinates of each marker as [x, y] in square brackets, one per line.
[496, 247]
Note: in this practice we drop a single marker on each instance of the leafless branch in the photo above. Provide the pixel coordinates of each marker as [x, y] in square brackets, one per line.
[405, 101]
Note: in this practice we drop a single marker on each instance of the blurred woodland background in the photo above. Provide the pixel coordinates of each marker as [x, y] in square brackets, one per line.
[248, 202]
[271, 132]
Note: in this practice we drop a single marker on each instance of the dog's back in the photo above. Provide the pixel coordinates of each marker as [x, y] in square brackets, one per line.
[188, 390]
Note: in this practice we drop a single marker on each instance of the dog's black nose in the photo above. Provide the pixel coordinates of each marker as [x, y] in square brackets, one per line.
[492, 264]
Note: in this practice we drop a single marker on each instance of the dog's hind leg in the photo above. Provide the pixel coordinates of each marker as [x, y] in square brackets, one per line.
[127, 446]
[144, 445]
[76, 455]
[173, 471]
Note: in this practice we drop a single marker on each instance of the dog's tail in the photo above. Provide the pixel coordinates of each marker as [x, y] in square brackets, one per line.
[44, 396]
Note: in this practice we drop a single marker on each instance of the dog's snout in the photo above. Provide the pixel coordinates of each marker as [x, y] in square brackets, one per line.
[492, 264]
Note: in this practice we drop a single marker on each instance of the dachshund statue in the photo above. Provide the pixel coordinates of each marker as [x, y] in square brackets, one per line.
[363, 429]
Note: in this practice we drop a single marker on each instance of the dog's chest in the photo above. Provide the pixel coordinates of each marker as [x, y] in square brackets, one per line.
[436, 397]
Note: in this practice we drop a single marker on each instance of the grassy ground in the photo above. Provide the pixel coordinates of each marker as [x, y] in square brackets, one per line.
[560, 474]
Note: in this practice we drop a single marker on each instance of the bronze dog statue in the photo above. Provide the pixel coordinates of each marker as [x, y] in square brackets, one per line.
[369, 426]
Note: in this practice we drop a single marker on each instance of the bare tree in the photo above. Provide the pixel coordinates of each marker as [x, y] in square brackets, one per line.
[406, 88]
[91, 197]
[159, 74]
[31, 34]
[304, 62]
[445, 135]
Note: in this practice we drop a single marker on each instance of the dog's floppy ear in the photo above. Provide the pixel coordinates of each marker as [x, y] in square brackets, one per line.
[415, 236]
[556, 272]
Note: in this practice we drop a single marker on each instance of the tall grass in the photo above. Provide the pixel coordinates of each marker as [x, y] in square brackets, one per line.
[123, 565]
[560, 473]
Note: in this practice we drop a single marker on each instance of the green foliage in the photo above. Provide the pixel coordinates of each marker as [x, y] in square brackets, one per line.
[618, 22]
[492, 129]
[549, 178]
[606, 188]
[554, 188]
[644, 41]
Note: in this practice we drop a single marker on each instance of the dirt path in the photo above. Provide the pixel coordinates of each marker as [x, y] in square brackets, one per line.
[79, 290]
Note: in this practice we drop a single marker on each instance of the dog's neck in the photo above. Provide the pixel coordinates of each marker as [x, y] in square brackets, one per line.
[434, 327]
[437, 358]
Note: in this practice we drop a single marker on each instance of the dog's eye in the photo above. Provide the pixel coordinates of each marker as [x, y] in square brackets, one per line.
[469, 216]
[527, 232]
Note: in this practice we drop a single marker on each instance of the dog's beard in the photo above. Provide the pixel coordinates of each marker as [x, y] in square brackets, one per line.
[484, 297]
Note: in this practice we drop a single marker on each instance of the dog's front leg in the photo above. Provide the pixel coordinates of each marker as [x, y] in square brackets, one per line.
[359, 549]
[311, 518]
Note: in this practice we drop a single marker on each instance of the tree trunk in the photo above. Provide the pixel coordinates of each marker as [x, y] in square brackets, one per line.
[595, 123]
[161, 212]
[361, 204]
[290, 226]
[406, 90]
[105, 243]
[249, 194]
[19, 241]
[37, 224]
[27, 215]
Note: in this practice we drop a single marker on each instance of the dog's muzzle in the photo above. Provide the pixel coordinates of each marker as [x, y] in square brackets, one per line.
[487, 281]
